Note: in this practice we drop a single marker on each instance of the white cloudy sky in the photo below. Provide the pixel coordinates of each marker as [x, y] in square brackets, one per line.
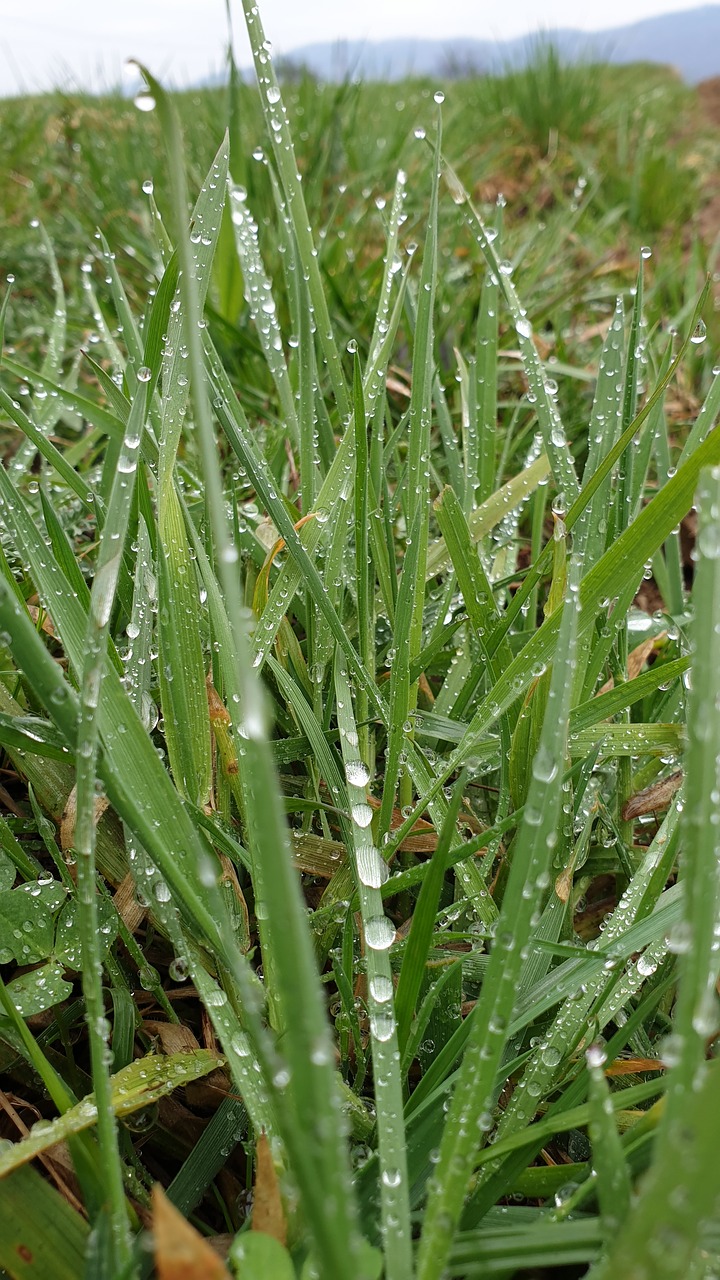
[44, 43]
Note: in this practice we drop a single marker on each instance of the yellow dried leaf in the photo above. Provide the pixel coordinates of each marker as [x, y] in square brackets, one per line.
[268, 1213]
[181, 1253]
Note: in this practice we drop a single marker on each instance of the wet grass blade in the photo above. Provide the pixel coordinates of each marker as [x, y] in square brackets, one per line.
[472, 1104]
[423, 924]
[303, 1078]
[379, 934]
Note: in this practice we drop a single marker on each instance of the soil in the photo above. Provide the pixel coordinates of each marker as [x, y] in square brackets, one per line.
[709, 218]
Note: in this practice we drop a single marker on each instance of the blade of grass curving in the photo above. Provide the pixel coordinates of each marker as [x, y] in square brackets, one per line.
[590, 1005]
[470, 1111]
[334, 483]
[597, 479]
[259, 297]
[379, 933]
[276, 118]
[47, 450]
[553, 433]
[326, 757]
[392, 266]
[619, 570]
[123, 310]
[486, 375]
[490, 513]
[705, 419]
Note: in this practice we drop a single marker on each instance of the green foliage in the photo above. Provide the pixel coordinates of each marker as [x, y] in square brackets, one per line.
[548, 97]
[344, 753]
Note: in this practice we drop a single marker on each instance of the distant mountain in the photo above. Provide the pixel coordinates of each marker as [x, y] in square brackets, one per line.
[688, 41]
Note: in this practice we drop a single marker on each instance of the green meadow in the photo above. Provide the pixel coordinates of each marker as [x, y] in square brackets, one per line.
[360, 679]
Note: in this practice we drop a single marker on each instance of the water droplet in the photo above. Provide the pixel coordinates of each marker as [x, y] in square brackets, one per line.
[595, 1055]
[357, 773]
[379, 933]
[382, 1026]
[381, 988]
[361, 815]
[144, 101]
[240, 1044]
[439, 96]
[372, 868]
[709, 541]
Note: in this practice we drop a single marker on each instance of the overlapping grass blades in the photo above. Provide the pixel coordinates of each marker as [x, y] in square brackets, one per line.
[458, 731]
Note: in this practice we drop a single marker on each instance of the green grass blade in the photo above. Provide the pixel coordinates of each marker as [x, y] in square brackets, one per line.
[278, 128]
[379, 933]
[553, 432]
[304, 1083]
[696, 1012]
[40, 1234]
[471, 1108]
[613, 1182]
[678, 1205]
[423, 922]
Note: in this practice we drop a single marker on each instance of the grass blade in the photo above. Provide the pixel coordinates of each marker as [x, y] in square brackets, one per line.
[473, 1099]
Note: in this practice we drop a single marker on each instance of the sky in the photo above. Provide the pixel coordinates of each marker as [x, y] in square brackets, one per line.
[84, 43]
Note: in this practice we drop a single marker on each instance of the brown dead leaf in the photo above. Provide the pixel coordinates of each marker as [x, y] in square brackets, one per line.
[181, 1253]
[173, 1037]
[563, 884]
[632, 1066]
[209, 1092]
[67, 822]
[590, 331]
[268, 1214]
[46, 623]
[399, 381]
[640, 654]
[637, 659]
[127, 905]
[653, 799]
[229, 877]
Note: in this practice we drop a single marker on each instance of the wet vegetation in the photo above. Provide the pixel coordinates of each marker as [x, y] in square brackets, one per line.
[360, 647]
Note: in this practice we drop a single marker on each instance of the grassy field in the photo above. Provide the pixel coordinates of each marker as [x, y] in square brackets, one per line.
[360, 650]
